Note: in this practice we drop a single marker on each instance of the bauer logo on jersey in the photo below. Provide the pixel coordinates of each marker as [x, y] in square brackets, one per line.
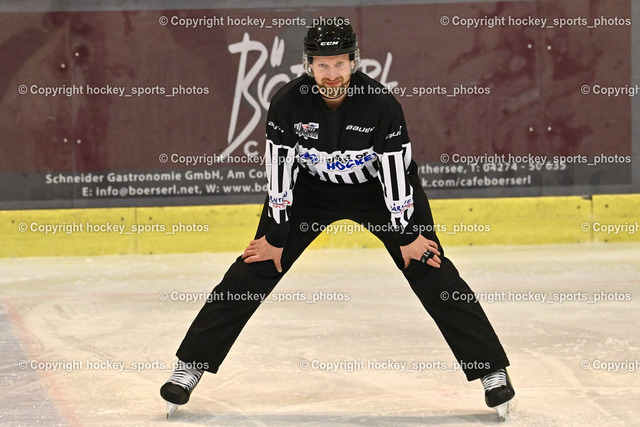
[275, 126]
[394, 134]
[307, 130]
[360, 128]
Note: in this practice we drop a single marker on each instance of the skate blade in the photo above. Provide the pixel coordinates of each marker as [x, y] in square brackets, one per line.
[171, 408]
[505, 410]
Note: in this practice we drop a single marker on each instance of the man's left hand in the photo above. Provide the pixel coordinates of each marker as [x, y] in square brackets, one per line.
[417, 248]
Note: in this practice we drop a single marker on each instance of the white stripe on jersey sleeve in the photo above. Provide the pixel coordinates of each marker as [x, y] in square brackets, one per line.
[398, 194]
[281, 178]
[406, 150]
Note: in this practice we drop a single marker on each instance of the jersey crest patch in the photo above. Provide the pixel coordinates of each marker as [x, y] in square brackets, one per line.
[307, 130]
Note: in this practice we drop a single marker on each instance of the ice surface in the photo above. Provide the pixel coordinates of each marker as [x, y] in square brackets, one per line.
[108, 311]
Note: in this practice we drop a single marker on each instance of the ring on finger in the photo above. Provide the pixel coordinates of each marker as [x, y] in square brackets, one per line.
[426, 256]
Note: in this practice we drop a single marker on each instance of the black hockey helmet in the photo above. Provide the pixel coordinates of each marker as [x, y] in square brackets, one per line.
[330, 37]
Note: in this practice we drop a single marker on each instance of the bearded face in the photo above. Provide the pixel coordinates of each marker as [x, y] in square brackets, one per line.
[332, 74]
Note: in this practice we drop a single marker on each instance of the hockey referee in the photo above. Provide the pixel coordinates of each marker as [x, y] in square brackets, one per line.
[338, 148]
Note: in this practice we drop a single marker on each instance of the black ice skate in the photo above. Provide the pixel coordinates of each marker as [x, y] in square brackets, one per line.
[177, 390]
[498, 392]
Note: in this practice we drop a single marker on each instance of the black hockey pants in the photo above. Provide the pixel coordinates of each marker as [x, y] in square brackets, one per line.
[463, 324]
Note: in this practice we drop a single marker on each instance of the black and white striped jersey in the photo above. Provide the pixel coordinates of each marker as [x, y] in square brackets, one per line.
[364, 139]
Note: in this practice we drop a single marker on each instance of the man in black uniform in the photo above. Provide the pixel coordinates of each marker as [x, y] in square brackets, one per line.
[338, 148]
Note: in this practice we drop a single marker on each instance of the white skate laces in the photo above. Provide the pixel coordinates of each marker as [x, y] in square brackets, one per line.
[185, 376]
[494, 380]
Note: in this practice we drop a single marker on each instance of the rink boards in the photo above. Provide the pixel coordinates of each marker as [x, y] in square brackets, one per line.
[221, 228]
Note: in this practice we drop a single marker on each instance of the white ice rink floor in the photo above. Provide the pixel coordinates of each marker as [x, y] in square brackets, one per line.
[105, 327]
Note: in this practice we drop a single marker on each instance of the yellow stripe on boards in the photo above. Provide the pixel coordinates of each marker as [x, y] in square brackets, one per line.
[229, 228]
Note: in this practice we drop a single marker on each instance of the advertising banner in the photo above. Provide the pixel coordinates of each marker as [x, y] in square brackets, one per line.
[122, 108]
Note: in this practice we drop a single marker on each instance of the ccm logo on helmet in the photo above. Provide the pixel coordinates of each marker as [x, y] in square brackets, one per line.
[331, 43]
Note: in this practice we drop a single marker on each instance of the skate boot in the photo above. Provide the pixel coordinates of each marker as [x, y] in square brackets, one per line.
[177, 390]
[498, 392]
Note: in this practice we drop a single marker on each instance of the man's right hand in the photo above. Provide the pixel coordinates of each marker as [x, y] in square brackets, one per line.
[261, 250]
